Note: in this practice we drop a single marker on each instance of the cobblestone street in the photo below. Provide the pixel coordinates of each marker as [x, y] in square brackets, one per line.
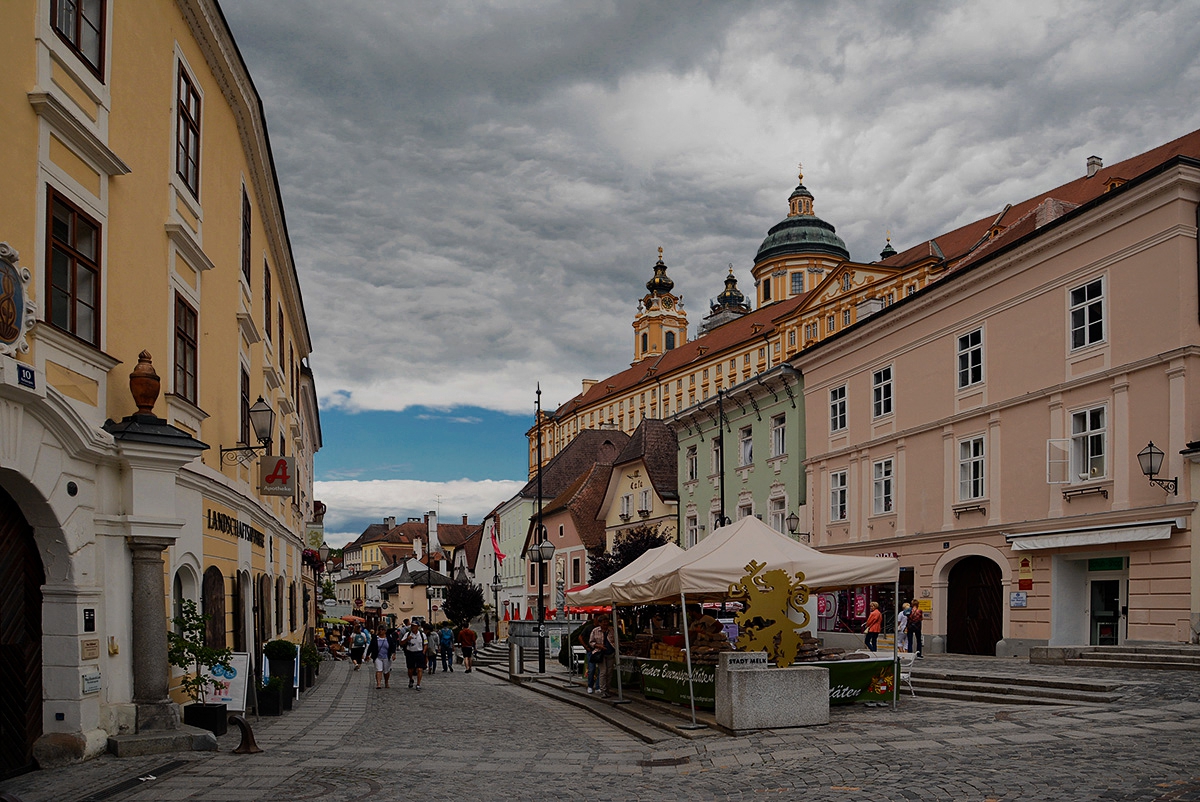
[479, 738]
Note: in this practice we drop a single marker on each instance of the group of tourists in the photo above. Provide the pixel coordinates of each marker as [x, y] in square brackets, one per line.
[908, 627]
[422, 645]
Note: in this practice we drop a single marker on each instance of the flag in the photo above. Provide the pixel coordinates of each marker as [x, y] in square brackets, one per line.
[496, 546]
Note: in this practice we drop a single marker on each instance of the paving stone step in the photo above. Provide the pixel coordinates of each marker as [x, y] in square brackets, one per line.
[1139, 662]
[1066, 683]
[976, 695]
[1008, 693]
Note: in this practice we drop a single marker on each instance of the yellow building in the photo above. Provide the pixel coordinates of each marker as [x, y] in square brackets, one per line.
[141, 213]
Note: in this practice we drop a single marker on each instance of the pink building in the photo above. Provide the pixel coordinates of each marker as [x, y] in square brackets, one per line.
[987, 427]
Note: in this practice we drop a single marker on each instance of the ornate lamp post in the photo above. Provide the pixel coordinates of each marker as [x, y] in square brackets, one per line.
[1150, 460]
[541, 554]
[262, 421]
[429, 591]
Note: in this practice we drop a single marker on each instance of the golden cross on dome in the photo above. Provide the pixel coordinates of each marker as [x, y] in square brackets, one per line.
[800, 167]
[660, 253]
[731, 268]
[889, 235]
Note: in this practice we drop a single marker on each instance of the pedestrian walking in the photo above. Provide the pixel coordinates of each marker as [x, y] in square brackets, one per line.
[874, 626]
[915, 617]
[902, 628]
[602, 650]
[431, 639]
[593, 658]
[380, 650]
[358, 645]
[466, 641]
[446, 644]
[413, 643]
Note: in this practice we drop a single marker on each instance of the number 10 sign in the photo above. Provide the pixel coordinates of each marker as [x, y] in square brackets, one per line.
[277, 476]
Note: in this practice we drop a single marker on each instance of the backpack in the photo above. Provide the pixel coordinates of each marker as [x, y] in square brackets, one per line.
[916, 616]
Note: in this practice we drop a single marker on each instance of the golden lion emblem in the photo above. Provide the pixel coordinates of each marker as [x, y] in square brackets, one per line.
[766, 598]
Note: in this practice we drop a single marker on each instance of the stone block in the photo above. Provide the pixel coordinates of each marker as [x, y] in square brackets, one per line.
[754, 699]
[184, 739]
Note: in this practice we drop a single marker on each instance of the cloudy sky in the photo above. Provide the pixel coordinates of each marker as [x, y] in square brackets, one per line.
[476, 191]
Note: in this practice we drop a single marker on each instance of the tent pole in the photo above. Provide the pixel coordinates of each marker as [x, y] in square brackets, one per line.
[621, 700]
[896, 644]
[687, 644]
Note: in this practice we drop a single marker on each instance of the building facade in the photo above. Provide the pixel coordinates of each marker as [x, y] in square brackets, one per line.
[143, 230]
[987, 429]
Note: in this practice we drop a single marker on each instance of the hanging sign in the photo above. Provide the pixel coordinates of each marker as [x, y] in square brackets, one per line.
[1025, 574]
[277, 476]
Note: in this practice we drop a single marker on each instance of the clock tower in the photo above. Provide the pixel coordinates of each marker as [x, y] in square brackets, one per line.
[660, 324]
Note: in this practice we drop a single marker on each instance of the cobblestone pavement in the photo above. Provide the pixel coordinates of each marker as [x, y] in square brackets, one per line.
[474, 737]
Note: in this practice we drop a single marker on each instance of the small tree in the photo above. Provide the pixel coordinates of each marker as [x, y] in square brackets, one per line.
[628, 547]
[464, 601]
[188, 650]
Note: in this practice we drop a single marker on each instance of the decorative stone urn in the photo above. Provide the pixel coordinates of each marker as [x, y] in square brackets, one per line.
[144, 384]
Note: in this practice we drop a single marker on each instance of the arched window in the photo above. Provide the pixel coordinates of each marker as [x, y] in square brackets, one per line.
[670, 340]
[292, 606]
[183, 586]
[645, 341]
[279, 605]
[214, 608]
[239, 612]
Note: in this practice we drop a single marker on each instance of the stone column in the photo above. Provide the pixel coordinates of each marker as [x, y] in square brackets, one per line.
[151, 675]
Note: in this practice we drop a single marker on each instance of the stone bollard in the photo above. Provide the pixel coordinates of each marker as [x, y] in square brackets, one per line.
[247, 746]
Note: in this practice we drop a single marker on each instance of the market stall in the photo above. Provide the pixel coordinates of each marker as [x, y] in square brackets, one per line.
[764, 570]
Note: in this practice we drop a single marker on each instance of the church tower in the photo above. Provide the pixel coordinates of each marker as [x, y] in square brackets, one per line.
[729, 305]
[660, 324]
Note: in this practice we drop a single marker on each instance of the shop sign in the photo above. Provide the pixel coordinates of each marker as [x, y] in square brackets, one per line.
[860, 681]
[227, 524]
[314, 535]
[91, 682]
[668, 681]
[1106, 564]
[1025, 574]
[746, 660]
[1018, 598]
[926, 606]
[277, 476]
[89, 649]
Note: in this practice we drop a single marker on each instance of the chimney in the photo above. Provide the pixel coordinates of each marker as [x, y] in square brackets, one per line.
[390, 522]
[464, 520]
[434, 546]
[1094, 163]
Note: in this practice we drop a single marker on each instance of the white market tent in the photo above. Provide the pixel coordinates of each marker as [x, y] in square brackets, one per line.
[598, 594]
[708, 569]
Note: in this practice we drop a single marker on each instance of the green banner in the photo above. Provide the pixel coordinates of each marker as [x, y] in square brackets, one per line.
[859, 680]
[662, 679]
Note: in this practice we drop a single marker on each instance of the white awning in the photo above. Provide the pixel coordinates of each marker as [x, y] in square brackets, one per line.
[1068, 538]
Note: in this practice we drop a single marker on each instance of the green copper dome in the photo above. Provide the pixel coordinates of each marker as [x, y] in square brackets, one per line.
[801, 231]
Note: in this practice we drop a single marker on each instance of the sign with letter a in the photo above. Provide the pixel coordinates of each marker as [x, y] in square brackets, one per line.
[277, 476]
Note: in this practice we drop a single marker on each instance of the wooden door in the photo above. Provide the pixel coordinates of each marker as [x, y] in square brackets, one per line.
[974, 618]
[21, 580]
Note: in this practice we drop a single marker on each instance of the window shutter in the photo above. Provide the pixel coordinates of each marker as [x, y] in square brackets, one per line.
[1058, 461]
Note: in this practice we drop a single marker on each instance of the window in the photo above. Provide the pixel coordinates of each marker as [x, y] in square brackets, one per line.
[746, 360]
[744, 511]
[910, 289]
[693, 531]
[1087, 314]
[882, 471]
[778, 510]
[627, 505]
[245, 235]
[644, 500]
[80, 23]
[766, 289]
[791, 338]
[970, 469]
[185, 350]
[74, 271]
[670, 340]
[831, 324]
[267, 306]
[693, 468]
[645, 341]
[576, 575]
[881, 389]
[745, 446]
[187, 133]
[1087, 444]
[837, 409]
[716, 454]
[970, 358]
[846, 282]
[837, 496]
[778, 436]
[244, 429]
[797, 282]
[845, 318]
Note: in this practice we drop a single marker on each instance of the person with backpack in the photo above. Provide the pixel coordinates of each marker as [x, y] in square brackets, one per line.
[915, 617]
[466, 641]
[358, 645]
[446, 639]
[413, 643]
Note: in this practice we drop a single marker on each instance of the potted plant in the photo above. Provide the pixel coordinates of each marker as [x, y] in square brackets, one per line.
[281, 660]
[310, 660]
[270, 697]
[187, 650]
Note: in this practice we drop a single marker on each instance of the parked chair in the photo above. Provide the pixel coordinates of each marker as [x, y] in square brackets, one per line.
[906, 666]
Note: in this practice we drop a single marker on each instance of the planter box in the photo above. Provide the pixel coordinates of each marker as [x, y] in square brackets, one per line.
[270, 703]
[211, 717]
[308, 675]
[488, 637]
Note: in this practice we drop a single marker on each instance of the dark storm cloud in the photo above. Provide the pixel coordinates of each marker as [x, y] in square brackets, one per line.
[476, 191]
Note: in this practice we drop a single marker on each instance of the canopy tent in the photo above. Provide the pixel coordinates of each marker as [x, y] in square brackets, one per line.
[706, 570]
[599, 593]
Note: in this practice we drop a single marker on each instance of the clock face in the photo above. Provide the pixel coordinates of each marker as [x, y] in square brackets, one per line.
[667, 303]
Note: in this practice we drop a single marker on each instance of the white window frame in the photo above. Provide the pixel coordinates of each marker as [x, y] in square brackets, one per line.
[972, 469]
[627, 505]
[838, 509]
[1085, 313]
[744, 511]
[644, 500]
[692, 524]
[797, 282]
[1089, 444]
[777, 508]
[745, 446]
[883, 473]
[693, 464]
[716, 454]
[779, 435]
[837, 409]
[881, 392]
[969, 358]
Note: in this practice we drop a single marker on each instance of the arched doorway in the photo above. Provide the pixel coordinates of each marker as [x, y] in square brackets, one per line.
[974, 614]
[263, 618]
[21, 580]
[214, 607]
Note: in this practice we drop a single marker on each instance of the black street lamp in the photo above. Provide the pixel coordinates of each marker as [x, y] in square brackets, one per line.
[1150, 459]
[540, 554]
[429, 591]
[793, 523]
[262, 421]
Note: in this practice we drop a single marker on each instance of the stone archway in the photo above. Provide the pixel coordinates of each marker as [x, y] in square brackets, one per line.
[21, 580]
[937, 627]
[974, 609]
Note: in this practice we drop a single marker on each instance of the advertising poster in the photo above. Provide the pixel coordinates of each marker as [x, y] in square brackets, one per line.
[860, 681]
[232, 692]
[669, 681]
